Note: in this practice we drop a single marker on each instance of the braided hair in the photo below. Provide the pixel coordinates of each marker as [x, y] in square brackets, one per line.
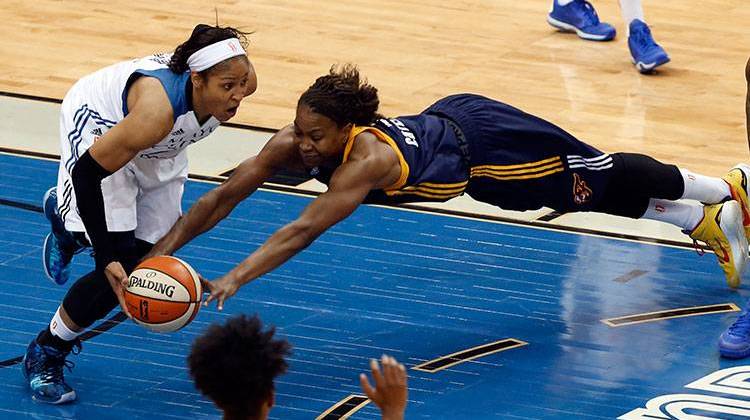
[343, 96]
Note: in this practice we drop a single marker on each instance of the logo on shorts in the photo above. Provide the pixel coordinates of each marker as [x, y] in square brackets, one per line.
[97, 133]
[581, 191]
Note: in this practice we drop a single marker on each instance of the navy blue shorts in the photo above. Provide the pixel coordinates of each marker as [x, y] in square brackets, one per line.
[521, 162]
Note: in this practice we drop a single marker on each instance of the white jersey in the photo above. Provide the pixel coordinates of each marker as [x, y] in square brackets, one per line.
[102, 96]
[145, 195]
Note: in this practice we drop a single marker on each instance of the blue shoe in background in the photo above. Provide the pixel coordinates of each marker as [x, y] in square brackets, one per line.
[580, 17]
[59, 245]
[647, 54]
[42, 367]
[734, 343]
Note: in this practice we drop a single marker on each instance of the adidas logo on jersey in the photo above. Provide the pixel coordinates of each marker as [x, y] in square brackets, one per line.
[97, 131]
[178, 132]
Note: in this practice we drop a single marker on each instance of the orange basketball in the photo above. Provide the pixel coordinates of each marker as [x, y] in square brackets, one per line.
[163, 294]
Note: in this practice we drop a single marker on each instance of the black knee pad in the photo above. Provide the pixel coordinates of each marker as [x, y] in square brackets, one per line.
[89, 299]
[636, 179]
[646, 176]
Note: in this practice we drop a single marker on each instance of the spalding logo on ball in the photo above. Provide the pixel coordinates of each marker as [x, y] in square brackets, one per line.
[163, 294]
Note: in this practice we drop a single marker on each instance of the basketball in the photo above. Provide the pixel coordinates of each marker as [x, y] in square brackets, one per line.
[163, 294]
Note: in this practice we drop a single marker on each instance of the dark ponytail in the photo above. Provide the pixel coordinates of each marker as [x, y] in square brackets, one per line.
[202, 36]
[343, 97]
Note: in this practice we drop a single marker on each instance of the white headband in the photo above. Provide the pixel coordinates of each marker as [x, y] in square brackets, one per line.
[215, 53]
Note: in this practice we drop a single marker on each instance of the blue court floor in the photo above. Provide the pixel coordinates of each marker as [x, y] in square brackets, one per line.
[414, 285]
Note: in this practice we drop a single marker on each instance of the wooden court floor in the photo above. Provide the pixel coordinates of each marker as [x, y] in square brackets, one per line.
[691, 113]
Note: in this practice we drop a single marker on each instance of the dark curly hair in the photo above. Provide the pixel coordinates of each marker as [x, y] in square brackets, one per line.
[343, 96]
[202, 36]
[235, 364]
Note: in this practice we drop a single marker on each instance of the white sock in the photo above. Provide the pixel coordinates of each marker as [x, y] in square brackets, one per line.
[682, 213]
[58, 328]
[631, 10]
[563, 2]
[705, 189]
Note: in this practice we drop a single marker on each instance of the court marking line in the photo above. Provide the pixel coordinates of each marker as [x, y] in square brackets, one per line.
[21, 205]
[344, 408]
[283, 189]
[103, 327]
[670, 314]
[630, 276]
[461, 356]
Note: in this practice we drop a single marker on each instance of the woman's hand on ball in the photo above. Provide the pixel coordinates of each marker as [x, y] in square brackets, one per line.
[118, 279]
[220, 290]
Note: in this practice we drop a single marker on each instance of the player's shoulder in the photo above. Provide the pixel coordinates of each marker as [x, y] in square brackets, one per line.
[282, 139]
[368, 146]
[280, 149]
[365, 143]
[149, 91]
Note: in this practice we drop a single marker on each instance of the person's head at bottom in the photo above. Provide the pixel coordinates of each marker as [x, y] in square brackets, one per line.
[235, 365]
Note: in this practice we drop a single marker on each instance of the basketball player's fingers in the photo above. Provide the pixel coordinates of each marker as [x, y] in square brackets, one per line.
[385, 367]
[207, 285]
[118, 272]
[118, 288]
[392, 371]
[218, 296]
[376, 375]
[123, 305]
[209, 299]
[402, 376]
[117, 285]
[366, 387]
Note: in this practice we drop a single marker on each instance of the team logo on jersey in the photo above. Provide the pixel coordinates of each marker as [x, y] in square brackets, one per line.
[581, 191]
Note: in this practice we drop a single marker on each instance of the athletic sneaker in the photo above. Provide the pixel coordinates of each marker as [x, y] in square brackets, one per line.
[59, 245]
[580, 17]
[737, 178]
[42, 367]
[721, 229]
[734, 343]
[647, 54]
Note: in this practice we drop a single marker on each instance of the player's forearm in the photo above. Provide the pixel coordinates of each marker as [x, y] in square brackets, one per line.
[87, 176]
[279, 248]
[202, 216]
